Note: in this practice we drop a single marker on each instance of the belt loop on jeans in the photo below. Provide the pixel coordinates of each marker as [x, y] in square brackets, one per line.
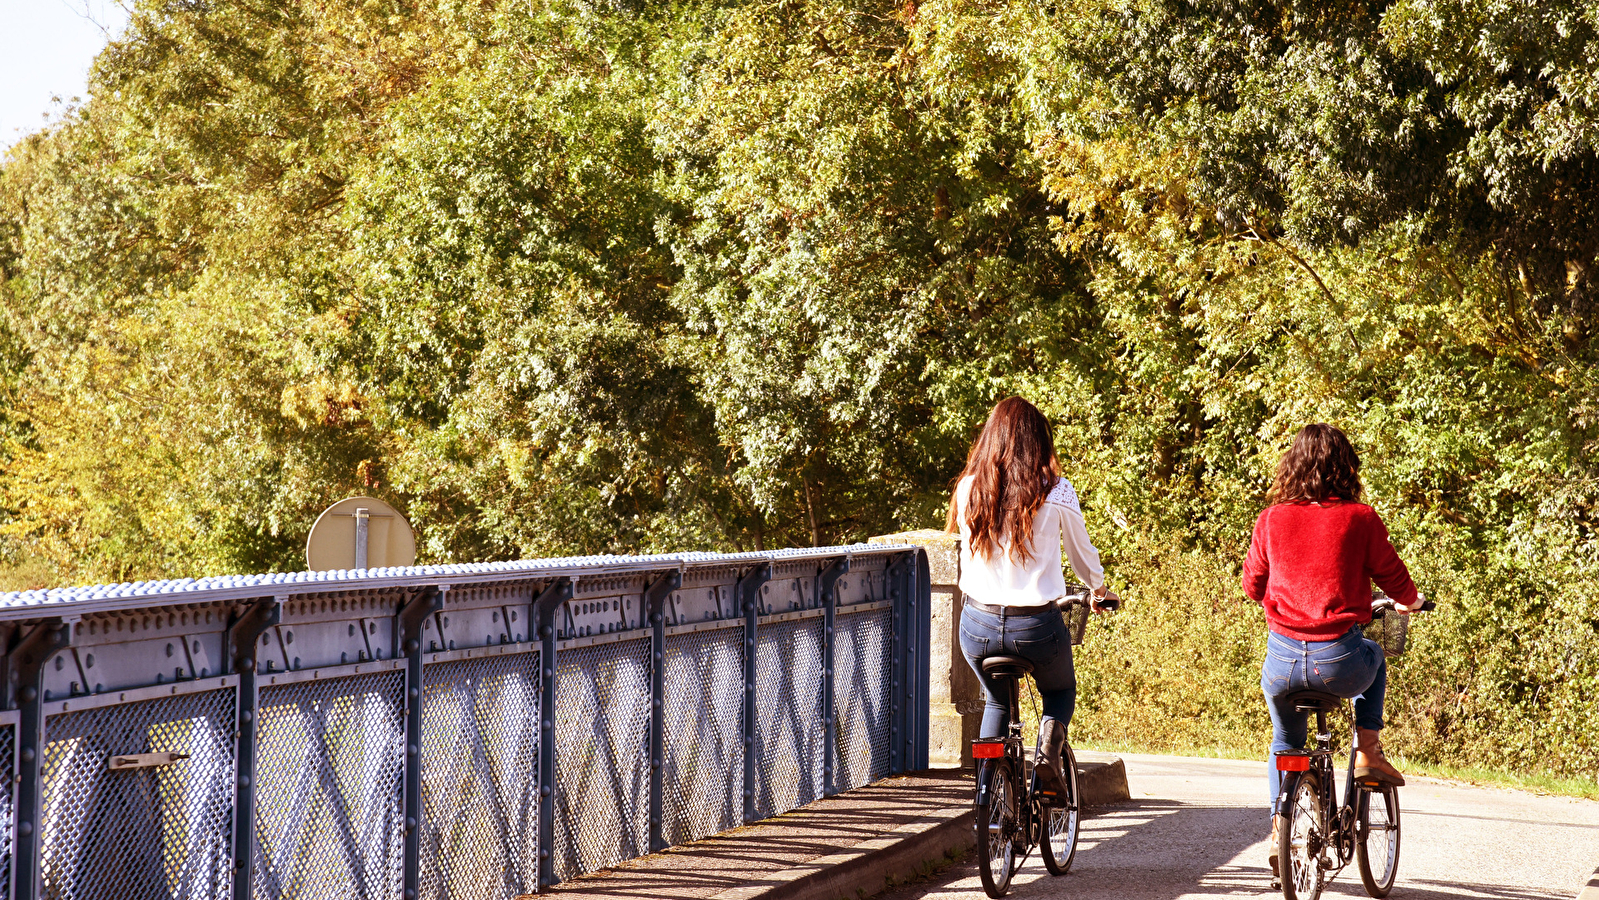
[1009, 611]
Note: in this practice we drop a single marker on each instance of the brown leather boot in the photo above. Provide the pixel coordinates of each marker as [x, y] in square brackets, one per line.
[1371, 766]
[1047, 760]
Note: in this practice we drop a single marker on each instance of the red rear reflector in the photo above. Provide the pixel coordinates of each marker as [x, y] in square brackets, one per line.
[1292, 763]
[993, 750]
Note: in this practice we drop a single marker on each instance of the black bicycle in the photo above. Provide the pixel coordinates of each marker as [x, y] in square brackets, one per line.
[1317, 837]
[1014, 814]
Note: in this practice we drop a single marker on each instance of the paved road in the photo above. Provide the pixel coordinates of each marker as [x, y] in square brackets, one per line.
[1197, 829]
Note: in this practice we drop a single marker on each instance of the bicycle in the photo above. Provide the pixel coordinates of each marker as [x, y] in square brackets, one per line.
[1311, 824]
[1011, 820]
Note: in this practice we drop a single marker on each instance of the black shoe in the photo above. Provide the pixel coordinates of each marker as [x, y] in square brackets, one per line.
[1047, 760]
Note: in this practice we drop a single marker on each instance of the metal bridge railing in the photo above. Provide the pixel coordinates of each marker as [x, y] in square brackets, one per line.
[475, 731]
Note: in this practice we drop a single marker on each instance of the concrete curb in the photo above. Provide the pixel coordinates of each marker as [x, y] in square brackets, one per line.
[912, 850]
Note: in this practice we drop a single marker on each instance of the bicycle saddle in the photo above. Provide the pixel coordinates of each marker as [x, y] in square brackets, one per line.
[1007, 666]
[1315, 701]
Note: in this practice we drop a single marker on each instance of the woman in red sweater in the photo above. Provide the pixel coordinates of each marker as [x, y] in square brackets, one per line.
[1314, 555]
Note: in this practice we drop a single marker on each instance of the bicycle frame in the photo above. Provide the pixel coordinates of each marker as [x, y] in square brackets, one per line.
[1026, 802]
[1339, 835]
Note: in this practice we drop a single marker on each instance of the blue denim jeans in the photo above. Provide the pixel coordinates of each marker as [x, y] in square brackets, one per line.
[1041, 639]
[1348, 667]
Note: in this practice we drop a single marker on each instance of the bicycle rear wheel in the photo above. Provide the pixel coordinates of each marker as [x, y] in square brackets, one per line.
[997, 825]
[1377, 839]
[1061, 822]
[1301, 838]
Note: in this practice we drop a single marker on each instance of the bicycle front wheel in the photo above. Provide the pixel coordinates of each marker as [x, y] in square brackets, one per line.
[1301, 838]
[1377, 839]
[1061, 822]
[998, 825]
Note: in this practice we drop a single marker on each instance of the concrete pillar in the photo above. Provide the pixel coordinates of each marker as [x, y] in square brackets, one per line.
[954, 694]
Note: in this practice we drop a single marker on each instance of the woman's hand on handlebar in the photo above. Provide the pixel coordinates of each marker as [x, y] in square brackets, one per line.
[1104, 600]
[1421, 604]
[1382, 603]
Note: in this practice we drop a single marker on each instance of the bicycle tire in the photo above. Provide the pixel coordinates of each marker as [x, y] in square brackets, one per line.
[1378, 869]
[1058, 842]
[1304, 825]
[997, 825]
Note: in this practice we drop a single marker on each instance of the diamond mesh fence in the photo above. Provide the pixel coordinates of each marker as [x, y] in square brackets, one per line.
[862, 674]
[331, 757]
[789, 734]
[702, 788]
[480, 790]
[151, 833]
[602, 727]
[8, 804]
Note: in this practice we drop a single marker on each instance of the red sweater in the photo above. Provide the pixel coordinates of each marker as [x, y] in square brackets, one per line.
[1311, 566]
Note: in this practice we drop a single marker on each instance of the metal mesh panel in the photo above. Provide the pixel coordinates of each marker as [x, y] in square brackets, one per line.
[789, 734]
[861, 698]
[602, 727]
[8, 804]
[703, 782]
[328, 789]
[157, 832]
[480, 790]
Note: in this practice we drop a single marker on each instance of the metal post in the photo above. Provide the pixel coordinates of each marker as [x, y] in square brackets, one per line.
[654, 597]
[247, 626]
[411, 616]
[749, 589]
[896, 577]
[26, 675]
[829, 597]
[920, 607]
[544, 609]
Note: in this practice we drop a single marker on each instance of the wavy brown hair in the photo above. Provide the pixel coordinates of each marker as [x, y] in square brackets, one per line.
[1013, 469]
[1321, 465]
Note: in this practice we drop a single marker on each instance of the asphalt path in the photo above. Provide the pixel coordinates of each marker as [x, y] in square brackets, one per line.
[1197, 829]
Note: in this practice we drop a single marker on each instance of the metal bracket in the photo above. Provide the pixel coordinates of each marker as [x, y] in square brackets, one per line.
[897, 576]
[919, 632]
[143, 760]
[544, 608]
[408, 633]
[654, 599]
[239, 656]
[749, 589]
[25, 671]
[826, 581]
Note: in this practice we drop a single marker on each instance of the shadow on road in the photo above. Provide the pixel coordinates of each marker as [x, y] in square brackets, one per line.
[1162, 850]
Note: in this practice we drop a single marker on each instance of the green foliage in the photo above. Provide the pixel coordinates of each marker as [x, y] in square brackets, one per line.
[558, 277]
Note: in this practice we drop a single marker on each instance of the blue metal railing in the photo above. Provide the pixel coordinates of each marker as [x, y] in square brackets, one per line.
[443, 731]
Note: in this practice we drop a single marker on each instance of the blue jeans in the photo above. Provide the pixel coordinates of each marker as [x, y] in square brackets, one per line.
[1043, 640]
[1348, 667]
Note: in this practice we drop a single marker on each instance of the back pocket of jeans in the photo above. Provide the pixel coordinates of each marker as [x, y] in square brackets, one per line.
[973, 646]
[1041, 652]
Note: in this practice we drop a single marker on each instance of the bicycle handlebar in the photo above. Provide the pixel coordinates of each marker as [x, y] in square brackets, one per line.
[1381, 603]
[1080, 595]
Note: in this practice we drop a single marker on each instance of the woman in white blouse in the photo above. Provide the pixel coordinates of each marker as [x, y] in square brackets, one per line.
[1014, 512]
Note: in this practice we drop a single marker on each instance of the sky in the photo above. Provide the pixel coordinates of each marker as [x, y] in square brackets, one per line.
[46, 48]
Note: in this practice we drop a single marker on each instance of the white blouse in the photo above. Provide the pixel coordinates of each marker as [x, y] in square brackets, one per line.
[1003, 581]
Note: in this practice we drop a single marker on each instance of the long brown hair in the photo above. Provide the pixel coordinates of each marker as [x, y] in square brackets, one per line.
[1321, 465]
[1013, 467]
